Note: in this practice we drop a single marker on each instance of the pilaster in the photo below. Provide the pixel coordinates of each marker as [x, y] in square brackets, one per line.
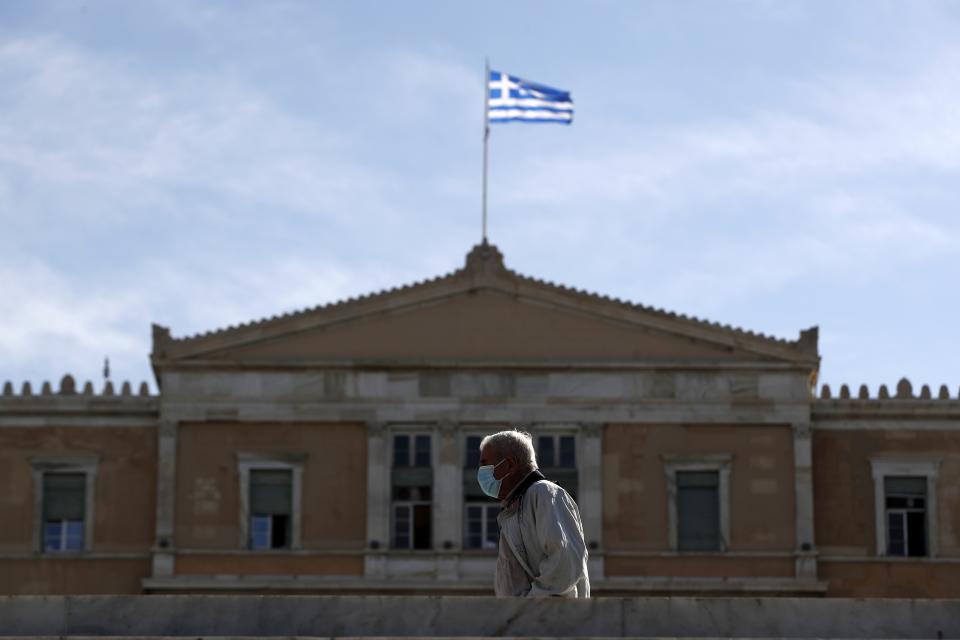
[591, 493]
[447, 498]
[378, 500]
[805, 552]
[164, 543]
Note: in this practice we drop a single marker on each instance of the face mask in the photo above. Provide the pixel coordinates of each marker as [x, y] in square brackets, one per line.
[489, 484]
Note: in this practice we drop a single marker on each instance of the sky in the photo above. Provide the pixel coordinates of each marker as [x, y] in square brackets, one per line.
[771, 165]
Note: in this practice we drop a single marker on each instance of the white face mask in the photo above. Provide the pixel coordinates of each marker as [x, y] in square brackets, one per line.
[488, 483]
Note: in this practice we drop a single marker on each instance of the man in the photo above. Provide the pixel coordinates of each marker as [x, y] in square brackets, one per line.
[542, 552]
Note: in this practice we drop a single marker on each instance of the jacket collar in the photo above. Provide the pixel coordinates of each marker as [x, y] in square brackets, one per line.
[518, 491]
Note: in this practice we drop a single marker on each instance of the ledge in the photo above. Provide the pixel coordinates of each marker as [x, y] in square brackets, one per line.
[226, 584]
[453, 616]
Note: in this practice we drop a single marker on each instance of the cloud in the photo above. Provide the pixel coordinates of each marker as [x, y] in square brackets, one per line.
[825, 187]
[44, 319]
[130, 196]
[51, 324]
[209, 297]
[234, 184]
[87, 137]
[837, 128]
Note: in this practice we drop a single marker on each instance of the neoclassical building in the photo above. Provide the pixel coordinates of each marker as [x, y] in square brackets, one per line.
[334, 450]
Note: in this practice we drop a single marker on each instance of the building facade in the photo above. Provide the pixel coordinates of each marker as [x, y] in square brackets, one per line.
[334, 450]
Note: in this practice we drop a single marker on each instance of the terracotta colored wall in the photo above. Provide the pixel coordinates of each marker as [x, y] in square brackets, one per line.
[635, 508]
[484, 326]
[844, 491]
[72, 576]
[891, 579]
[125, 492]
[270, 564]
[700, 566]
[334, 503]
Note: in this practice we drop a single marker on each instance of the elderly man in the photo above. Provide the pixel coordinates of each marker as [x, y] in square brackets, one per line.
[542, 552]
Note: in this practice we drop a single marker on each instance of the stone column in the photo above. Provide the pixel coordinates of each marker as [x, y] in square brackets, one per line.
[378, 501]
[805, 553]
[590, 498]
[447, 501]
[163, 548]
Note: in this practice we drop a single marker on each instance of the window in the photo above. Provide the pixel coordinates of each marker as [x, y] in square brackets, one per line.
[480, 528]
[412, 491]
[270, 488]
[557, 458]
[699, 502]
[906, 506]
[906, 515]
[63, 503]
[411, 450]
[411, 518]
[472, 454]
[698, 511]
[271, 508]
[64, 507]
[557, 451]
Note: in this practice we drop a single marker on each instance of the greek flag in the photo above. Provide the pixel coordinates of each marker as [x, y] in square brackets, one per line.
[513, 99]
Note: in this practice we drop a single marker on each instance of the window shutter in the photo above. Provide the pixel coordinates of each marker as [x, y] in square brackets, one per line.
[64, 496]
[412, 477]
[401, 451]
[905, 485]
[271, 491]
[568, 456]
[421, 451]
[472, 458]
[698, 511]
[545, 451]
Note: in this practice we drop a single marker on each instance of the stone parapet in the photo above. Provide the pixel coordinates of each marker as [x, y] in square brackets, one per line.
[904, 391]
[68, 406]
[904, 410]
[68, 389]
[266, 616]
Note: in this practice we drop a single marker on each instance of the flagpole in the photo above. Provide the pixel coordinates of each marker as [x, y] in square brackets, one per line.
[486, 138]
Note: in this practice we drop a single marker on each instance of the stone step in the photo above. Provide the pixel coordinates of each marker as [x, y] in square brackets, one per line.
[202, 616]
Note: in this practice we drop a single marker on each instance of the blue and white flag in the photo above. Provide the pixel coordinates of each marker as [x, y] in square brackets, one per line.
[513, 99]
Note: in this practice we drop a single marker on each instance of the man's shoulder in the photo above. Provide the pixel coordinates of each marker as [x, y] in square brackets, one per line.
[547, 488]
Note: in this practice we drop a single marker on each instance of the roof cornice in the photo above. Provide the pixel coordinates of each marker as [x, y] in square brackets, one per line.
[484, 269]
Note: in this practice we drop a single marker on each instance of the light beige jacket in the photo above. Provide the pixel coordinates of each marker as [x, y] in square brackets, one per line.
[543, 531]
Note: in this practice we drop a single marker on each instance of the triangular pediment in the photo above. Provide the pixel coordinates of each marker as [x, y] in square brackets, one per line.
[482, 313]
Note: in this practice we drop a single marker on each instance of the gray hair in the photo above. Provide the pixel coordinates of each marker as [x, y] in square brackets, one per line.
[515, 443]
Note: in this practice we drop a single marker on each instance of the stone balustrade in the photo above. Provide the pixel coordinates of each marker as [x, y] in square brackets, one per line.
[68, 387]
[453, 616]
[904, 391]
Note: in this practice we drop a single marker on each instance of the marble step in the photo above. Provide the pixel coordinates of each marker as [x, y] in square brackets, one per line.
[275, 616]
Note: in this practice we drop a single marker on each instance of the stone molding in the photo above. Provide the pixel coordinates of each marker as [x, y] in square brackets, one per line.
[592, 429]
[905, 465]
[373, 384]
[484, 269]
[290, 461]
[719, 462]
[88, 465]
